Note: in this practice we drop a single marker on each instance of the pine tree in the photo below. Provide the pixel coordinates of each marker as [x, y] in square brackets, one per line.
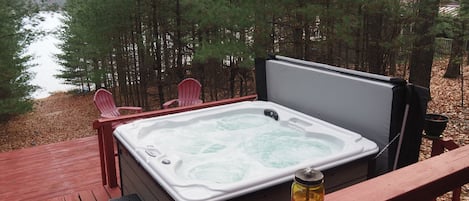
[92, 34]
[223, 29]
[15, 90]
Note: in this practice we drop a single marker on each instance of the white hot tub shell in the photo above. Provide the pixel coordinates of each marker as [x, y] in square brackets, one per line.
[236, 151]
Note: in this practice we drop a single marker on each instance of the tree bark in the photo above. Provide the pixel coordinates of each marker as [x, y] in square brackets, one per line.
[421, 60]
[142, 63]
[232, 77]
[375, 54]
[329, 22]
[261, 30]
[455, 59]
[179, 67]
[457, 51]
[135, 63]
[298, 28]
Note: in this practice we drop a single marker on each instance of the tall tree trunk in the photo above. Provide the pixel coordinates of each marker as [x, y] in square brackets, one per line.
[396, 28]
[421, 60]
[346, 56]
[358, 40]
[455, 59]
[307, 51]
[179, 67]
[166, 56]
[135, 63]
[198, 38]
[375, 54]
[298, 42]
[157, 52]
[129, 71]
[298, 26]
[233, 72]
[142, 64]
[112, 71]
[329, 33]
[261, 29]
[121, 69]
[457, 51]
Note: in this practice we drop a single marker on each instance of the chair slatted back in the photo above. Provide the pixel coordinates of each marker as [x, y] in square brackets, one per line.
[105, 103]
[189, 92]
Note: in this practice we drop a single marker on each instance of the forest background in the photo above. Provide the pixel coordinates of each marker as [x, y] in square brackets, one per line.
[140, 49]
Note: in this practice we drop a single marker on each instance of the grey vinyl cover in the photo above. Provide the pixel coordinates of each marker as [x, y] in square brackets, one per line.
[360, 105]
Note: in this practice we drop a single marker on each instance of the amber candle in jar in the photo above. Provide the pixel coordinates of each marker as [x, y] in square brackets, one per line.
[308, 185]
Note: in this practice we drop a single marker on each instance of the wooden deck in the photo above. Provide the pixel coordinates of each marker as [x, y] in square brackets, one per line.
[61, 171]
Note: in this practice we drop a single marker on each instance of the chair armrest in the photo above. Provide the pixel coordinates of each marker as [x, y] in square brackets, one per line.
[107, 116]
[136, 109]
[168, 103]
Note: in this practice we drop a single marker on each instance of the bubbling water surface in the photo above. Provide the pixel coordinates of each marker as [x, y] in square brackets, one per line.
[224, 150]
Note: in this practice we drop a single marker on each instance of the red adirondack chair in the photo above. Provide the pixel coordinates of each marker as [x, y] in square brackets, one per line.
[188, 93]
[105, 103]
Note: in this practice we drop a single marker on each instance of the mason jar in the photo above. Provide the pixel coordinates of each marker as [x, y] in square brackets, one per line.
[308, 185]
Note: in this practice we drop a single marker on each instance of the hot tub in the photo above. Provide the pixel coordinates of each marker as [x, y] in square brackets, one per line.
[231, 151]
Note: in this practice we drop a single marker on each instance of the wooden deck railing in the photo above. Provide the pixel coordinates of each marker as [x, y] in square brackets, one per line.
[439, 146]
[424, 180]
[104, 128]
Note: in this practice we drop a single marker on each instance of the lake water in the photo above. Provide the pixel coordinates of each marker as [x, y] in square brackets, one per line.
[43, 51]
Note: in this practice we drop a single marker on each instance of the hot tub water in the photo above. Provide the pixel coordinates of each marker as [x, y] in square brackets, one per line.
[210, 149]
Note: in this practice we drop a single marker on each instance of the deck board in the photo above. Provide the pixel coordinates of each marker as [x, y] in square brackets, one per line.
[64, 171]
